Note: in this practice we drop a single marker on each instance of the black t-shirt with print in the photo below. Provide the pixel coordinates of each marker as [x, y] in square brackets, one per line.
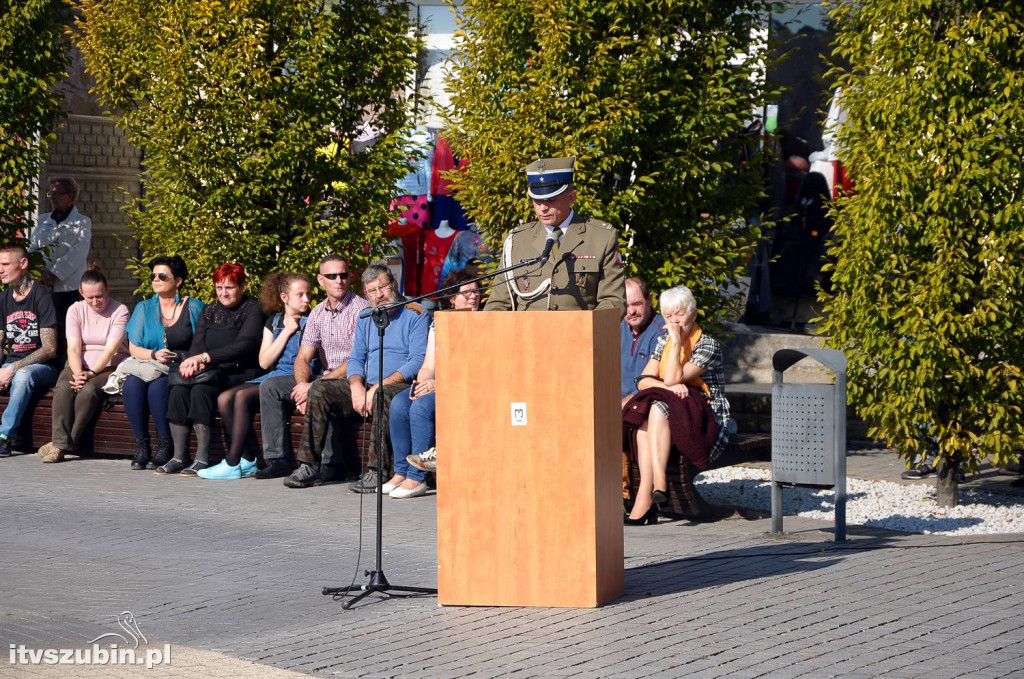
[22, 320]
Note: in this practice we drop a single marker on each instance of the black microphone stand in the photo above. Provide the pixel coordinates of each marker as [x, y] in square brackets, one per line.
[382, 318]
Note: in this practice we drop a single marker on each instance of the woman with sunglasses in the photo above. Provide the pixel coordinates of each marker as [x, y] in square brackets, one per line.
[412, 411]
[160, 328]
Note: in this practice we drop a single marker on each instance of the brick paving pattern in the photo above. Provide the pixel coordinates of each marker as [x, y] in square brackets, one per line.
[231, 572]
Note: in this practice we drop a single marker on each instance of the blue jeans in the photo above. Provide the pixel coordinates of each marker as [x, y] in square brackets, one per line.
[31, 378]
[142, 399]
[412, 431]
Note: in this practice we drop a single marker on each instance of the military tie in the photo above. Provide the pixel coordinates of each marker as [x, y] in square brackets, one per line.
[557, 233]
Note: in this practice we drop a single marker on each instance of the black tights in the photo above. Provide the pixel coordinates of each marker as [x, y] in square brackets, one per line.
[238, 406]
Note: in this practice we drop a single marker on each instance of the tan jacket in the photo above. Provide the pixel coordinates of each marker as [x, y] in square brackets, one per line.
[586, 274]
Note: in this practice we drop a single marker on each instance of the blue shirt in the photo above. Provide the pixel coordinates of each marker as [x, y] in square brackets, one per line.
[636, 351]
[145, 329]
[405, 345]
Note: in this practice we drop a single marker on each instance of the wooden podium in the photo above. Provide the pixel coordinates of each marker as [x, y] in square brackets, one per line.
[529, 474]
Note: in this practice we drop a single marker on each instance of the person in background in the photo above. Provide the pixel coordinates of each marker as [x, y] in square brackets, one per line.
[64, 237]
[405, 341]
[327, 341]
[28, 338]
[413, 410]
[683, 386]
[285, 299]
[640, 329]
[96, 345]
[227, 342]
[160, 330]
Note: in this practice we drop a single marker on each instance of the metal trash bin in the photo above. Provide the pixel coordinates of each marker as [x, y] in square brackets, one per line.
[809, 432]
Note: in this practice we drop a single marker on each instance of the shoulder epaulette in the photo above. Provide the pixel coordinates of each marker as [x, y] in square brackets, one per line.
[520, 227]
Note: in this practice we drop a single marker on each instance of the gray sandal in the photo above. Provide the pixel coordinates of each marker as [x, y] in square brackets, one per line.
[173, 466]
[193, 469]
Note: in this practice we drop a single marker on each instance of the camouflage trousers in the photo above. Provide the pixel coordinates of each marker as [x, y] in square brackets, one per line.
[329, 399]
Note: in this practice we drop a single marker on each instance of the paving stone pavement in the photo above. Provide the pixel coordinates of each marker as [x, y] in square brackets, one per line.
[230, 573]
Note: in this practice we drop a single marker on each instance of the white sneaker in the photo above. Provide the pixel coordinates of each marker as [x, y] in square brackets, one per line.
[426, 461]
[402, 493]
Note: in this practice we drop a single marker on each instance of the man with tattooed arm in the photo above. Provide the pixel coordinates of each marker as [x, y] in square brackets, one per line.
[28, 337]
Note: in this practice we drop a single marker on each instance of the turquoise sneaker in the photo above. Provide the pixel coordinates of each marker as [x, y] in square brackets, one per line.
[248, 468]
[221, 471]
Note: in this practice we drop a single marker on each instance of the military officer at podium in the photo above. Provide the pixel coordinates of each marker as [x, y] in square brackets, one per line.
[584, 270]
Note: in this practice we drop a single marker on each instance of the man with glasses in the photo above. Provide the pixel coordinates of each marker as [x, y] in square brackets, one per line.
[64, 236]
[405, 343]
[327, 337]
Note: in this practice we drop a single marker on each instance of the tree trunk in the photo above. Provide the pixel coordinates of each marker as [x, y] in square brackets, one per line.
[947, 489]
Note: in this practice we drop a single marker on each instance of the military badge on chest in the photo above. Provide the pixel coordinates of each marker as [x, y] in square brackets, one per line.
[524, 283]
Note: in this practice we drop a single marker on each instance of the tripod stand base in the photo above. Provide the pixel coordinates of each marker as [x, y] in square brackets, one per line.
[378, 583]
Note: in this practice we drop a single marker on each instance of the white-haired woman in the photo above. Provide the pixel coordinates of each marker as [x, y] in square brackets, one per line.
[681, 403]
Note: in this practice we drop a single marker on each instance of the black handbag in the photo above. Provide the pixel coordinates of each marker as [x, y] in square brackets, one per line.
[175, 378]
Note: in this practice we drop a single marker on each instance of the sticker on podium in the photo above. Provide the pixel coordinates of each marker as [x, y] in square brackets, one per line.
[519, 414]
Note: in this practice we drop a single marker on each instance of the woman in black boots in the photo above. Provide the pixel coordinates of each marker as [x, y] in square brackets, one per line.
[160, 328]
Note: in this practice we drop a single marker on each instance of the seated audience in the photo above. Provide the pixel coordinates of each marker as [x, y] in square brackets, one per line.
[412, 411]
[96, 345]
[640, 329]
[285, 299]
[28, 337]
[405, 340]
[682, 400]
[160, 330]
[327, 341]
[224, 353]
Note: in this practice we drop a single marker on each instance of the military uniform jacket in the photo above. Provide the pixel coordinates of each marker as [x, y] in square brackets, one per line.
[586, 273]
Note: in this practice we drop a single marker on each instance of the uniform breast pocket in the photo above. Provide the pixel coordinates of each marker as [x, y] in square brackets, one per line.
[585, 274]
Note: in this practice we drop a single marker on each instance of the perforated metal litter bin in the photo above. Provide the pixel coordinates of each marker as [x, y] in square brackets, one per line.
[809, 432]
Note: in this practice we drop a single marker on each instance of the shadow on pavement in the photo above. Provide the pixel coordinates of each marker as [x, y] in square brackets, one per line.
[726, 567]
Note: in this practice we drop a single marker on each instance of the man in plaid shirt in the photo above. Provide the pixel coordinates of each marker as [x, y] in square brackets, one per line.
[352, 399]
[328, 336]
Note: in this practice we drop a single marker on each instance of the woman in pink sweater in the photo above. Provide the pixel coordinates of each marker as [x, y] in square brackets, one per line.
[97, 343]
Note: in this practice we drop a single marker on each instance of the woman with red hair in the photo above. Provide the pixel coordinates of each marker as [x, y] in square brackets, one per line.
[224, 354]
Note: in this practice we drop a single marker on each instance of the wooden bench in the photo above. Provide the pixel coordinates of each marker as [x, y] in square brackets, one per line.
[684, 502]
[111, 434]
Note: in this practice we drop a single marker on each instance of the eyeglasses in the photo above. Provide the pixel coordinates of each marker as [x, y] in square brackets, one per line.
[334, 276]
[54, 194]
[160, 277]
[470, 293]
[373, 292]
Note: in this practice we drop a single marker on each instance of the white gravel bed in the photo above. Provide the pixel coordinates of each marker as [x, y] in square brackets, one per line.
[883, 504]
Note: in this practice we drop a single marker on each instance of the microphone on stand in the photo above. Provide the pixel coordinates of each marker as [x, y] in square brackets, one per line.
[548, 244]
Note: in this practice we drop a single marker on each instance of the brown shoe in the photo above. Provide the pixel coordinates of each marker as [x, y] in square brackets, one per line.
[54, 454]
[45, 450]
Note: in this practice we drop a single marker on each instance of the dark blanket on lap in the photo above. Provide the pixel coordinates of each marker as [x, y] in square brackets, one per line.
[690, 419]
